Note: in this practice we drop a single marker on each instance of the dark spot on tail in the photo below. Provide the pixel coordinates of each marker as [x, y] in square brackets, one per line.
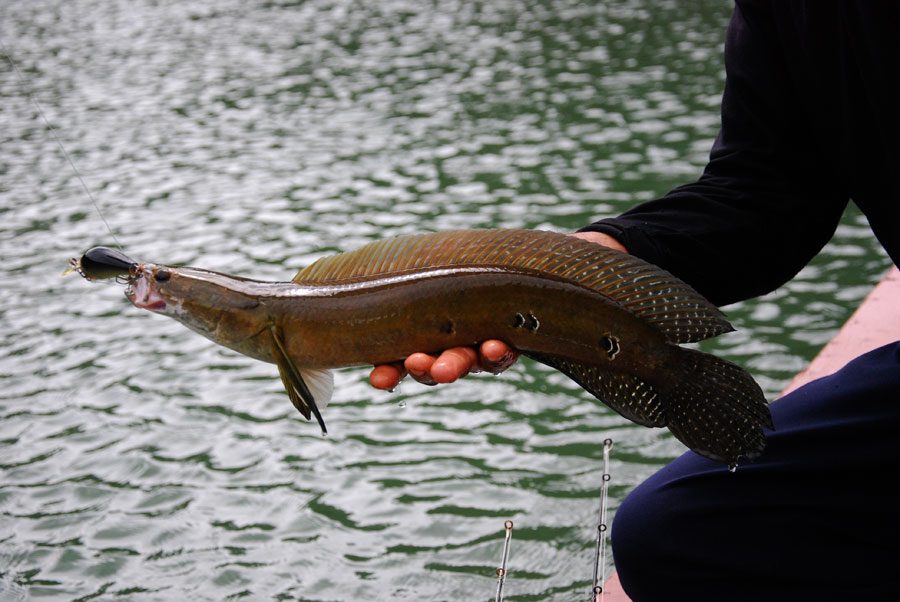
[448, 327]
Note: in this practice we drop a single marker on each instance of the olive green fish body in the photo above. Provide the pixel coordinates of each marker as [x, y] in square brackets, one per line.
[387, 320]
[611, 322]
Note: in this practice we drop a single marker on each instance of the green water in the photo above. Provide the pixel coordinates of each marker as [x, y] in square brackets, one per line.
[140, 462]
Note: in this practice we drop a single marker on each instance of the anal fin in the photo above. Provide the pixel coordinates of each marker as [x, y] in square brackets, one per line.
[628, 395]
[712, 406]
[304, 387]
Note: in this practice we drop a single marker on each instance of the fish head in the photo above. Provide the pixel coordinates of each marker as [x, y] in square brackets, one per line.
[147, 288]
[202, 300]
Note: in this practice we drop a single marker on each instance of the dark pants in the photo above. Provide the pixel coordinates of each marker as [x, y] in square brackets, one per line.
[815, 517]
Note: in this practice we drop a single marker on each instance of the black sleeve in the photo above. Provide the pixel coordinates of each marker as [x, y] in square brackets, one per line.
[767, 201]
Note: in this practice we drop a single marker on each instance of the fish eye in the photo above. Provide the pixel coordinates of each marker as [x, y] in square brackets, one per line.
[162, 275]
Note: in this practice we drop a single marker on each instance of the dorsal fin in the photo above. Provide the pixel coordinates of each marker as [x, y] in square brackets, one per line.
[649, 292]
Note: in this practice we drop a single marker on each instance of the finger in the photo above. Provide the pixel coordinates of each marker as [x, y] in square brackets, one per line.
[454, 363]
[386, 376]
[496, 356]
[419, 367]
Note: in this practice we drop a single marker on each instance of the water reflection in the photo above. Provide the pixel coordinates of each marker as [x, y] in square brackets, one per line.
[139, 461]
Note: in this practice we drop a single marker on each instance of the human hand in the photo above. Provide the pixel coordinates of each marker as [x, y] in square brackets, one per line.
[491, 356]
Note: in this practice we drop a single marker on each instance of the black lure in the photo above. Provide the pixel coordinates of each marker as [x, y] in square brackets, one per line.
[102, 262]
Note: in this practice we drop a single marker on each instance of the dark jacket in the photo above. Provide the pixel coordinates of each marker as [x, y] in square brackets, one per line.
[810, 120]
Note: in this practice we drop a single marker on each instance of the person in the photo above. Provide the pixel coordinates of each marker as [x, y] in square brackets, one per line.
[809, 121]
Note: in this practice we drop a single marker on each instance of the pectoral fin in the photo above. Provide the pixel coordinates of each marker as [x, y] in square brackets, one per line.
[307, 389]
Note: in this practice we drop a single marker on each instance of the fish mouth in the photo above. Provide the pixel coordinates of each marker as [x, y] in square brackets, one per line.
[142, 295]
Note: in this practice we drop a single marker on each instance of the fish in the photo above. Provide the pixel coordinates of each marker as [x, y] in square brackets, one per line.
[613, 323]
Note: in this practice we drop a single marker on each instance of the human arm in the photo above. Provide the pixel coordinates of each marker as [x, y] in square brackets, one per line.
[771, 195]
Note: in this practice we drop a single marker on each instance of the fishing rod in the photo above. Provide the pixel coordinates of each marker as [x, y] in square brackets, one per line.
[600, 550]
[599, 568]
[501, 572]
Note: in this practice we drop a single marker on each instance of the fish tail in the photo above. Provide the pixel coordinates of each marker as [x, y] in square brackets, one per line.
[711, 405]
[717, 409]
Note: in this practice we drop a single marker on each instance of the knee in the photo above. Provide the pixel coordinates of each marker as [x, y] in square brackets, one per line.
[639, 532]
[652, 530]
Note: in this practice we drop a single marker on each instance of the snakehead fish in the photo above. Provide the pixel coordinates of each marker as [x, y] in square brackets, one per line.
[611, 322]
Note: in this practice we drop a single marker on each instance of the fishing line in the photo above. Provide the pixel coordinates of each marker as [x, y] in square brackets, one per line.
[52, 131]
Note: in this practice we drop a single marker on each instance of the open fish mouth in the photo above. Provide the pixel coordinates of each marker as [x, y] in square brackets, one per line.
[142, 295]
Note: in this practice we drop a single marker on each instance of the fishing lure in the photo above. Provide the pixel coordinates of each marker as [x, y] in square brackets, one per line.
[100, 263]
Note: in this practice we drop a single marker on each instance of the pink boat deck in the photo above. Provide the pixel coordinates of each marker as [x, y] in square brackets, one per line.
[875, 323]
